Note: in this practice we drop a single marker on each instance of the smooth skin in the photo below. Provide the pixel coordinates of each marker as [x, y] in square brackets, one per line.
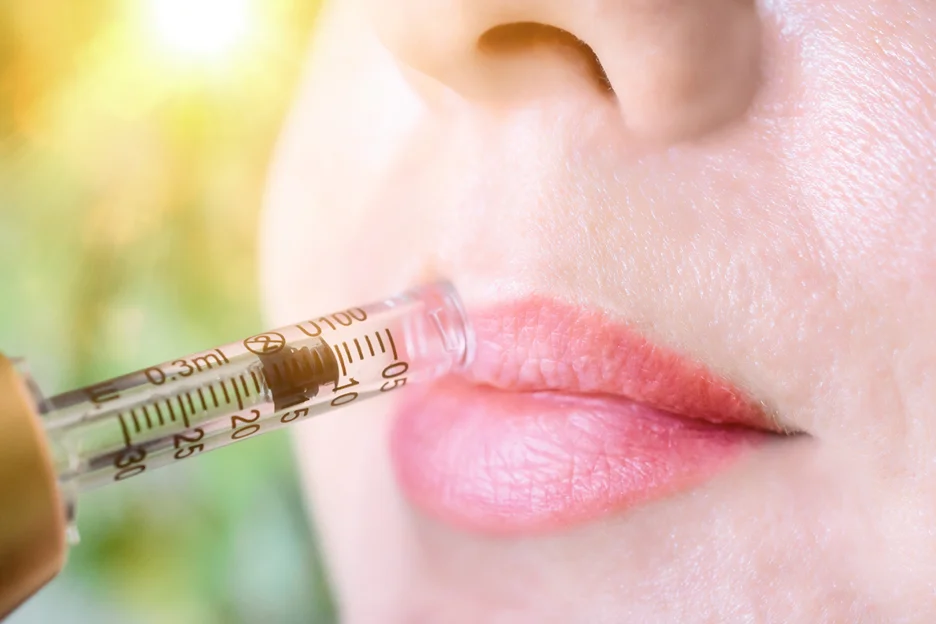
[751, 185]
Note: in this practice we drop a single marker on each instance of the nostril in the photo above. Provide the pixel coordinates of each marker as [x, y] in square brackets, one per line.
[519, 38]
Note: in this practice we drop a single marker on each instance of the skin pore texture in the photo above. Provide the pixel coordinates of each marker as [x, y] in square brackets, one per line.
[750, 186]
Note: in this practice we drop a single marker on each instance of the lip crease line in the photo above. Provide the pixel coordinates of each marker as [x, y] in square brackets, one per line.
[564, 416]
[518, 350]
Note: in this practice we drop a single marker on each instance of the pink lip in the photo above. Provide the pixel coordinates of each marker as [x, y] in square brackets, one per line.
[565, 416]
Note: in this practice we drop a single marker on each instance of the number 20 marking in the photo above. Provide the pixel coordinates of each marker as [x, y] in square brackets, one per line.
[250, 425]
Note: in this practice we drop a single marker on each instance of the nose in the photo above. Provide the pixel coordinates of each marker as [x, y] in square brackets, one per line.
[673, 68]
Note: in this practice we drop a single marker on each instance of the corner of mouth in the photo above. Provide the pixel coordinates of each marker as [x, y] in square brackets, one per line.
[566, 415]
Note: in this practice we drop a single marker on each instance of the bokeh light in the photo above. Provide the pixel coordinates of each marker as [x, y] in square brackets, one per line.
[201, 30]
[135, 136]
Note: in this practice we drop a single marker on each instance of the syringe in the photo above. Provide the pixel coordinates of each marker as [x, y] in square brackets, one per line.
[52, 449]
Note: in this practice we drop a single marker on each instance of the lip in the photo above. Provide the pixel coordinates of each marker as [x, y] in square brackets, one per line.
[565, 416]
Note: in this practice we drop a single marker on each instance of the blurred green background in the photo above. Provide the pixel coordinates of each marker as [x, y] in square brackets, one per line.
[135, 136]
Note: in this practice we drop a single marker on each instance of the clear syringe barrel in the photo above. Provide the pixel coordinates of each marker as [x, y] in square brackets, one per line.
[132, 424]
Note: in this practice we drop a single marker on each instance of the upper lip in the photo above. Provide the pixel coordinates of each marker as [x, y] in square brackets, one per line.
[541, 345]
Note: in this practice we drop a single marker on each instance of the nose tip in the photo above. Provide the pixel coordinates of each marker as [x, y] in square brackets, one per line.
[674, 68]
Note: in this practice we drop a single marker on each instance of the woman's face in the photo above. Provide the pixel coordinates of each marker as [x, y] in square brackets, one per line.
[683, 227]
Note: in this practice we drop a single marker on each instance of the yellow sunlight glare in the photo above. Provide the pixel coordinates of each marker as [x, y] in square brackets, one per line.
[200, 29]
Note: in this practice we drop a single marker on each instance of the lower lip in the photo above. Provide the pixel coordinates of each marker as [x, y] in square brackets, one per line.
[501, 462]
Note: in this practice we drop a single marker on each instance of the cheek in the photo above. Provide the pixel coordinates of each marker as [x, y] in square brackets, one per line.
[358, 515]
[336, 148]
[861, 151]
[869, 115]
